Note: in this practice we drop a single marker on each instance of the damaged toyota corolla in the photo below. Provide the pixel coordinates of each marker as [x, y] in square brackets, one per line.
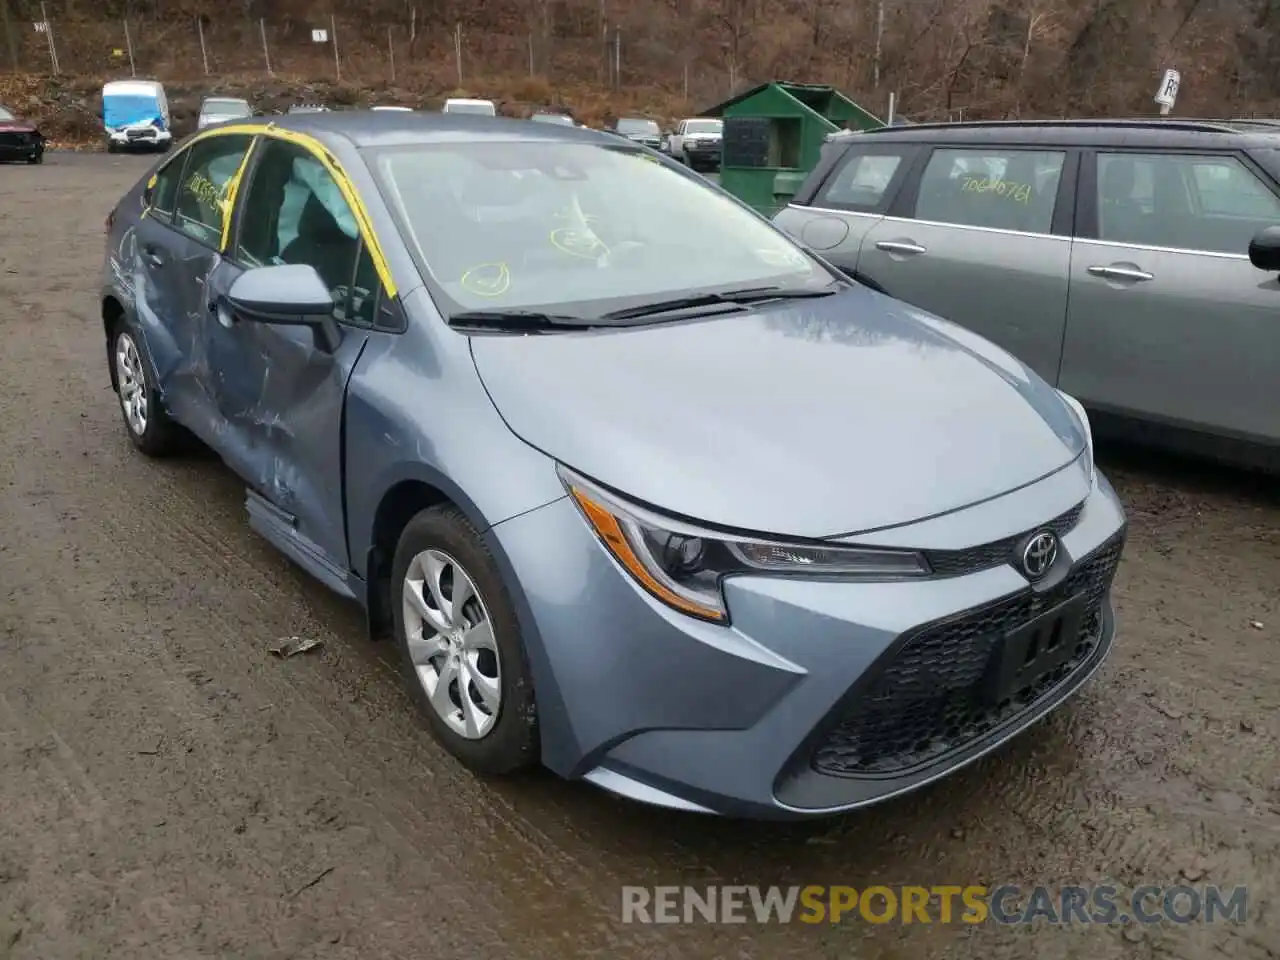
[684, 514]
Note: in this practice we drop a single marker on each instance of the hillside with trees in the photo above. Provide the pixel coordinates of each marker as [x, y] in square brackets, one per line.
[943, 58]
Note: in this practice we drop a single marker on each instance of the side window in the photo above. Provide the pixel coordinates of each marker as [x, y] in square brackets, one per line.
[992, 187]
[202, 193]
[1210, 203]
[165, 191]
[365, 289]
[294, 212]
[861, 182]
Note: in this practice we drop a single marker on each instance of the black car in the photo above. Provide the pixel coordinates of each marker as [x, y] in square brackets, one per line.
[639, 130]
[19, 139]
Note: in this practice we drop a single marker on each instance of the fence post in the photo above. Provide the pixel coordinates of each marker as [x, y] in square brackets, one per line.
[333, 31]
[617, 57]
[48, 32]
[262, 28]
[128, 44]
[457, 49]
[531, 53]
[204, 53]
[391, 55]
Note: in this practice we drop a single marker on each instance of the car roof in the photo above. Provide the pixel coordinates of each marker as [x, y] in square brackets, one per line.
[388, 128]
[469, 100]
[1147, 132]
[125, 87]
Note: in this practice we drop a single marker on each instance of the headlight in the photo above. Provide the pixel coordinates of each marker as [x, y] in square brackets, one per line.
[1083, 417]
[683, 565]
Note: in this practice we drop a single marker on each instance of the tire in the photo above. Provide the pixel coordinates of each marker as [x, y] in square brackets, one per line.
[152, 432]
[112, 147]
[37, 157]
[500, 739]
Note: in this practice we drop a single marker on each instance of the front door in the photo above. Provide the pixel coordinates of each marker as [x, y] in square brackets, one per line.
[280, 393]
[981, 248]
[174, 247]
[1169, 321]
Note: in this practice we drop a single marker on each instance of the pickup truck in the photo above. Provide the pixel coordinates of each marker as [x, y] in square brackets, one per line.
[697, 142]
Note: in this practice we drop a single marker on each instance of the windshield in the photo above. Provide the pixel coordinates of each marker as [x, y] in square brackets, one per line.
[637, 126]
[226, 108]
[6, 115]
[482, 108]
[577, 229]
[703, 126]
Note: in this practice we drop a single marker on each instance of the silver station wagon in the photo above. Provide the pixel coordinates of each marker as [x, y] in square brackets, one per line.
[1112, 257]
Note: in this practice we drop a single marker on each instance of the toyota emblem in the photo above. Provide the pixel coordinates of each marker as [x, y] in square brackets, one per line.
[1039, 554]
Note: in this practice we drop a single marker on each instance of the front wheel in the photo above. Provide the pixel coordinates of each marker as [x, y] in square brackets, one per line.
[460, 640]
[145, 419]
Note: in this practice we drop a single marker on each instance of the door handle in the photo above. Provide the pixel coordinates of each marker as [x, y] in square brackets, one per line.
[900, 246]
[1121, 273]
[153, 256]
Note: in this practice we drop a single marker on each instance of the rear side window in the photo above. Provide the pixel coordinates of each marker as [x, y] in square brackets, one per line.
[202, 194]
[1000, 188]
[165, 190]
[861, 182]
[1210, 203]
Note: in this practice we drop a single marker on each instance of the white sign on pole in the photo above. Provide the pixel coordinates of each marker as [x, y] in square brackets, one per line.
[41, 26]
[1168, 91]
[319, 36]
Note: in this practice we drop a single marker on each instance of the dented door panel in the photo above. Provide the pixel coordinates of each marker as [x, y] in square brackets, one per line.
[169, 273]
[280, 402]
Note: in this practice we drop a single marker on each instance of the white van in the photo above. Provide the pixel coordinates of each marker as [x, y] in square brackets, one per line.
[135, 114]
[462, 105]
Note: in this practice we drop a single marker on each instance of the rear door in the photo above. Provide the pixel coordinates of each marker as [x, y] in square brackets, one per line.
[176, 244]
[281, 396]
[851, 200]
[983, 238]
[1169, 321]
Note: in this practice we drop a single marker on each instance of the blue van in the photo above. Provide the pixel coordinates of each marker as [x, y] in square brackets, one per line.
[135, 115]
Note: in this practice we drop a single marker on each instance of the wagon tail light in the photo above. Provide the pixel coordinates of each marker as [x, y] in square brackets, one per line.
[109, 222]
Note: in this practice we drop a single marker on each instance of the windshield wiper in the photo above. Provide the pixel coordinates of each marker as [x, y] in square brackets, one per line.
[527, 321]
[730, 297]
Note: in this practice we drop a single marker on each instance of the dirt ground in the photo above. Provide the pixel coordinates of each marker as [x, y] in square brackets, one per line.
[170, 790]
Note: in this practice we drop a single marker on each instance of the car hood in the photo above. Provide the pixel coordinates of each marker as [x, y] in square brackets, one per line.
[809, 418]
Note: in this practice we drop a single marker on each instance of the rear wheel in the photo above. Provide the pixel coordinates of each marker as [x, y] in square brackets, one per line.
[37, 157]
[149, 427]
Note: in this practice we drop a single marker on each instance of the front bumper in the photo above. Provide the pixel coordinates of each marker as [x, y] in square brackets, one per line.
[703, 154]
[144, 137]
[820, 696]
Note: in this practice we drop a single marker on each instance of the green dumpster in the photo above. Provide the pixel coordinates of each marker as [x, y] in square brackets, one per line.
[773, 134]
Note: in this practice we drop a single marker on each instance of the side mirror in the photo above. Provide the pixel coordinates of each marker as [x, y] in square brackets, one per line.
[290, 294]
[1264, 249]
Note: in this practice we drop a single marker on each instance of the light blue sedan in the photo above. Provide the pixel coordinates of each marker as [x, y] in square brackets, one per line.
[684, 514]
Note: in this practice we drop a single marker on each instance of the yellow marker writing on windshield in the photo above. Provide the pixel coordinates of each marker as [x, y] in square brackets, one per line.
[487, 280]
[578, 243]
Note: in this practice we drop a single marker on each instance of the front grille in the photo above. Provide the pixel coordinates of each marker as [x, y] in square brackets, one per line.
[952, 563]
[928, 700]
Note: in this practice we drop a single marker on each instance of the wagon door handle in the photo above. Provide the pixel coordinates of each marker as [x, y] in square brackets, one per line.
[153, 256]
[901, 246]
[1122, 273]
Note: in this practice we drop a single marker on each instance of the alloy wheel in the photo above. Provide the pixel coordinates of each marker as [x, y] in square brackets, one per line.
[132, 384]
[451, 644]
